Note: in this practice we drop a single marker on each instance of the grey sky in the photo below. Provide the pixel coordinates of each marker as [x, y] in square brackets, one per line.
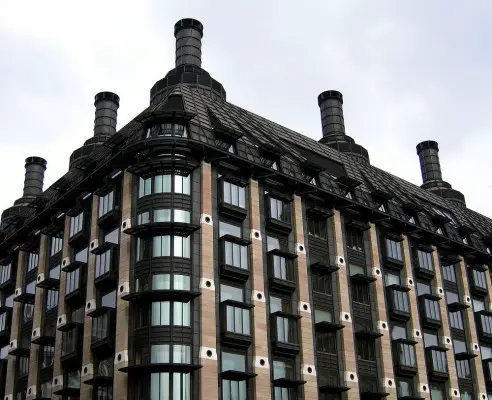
[409, 71]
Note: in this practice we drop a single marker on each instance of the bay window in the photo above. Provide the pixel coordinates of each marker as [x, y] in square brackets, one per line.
[167, 183]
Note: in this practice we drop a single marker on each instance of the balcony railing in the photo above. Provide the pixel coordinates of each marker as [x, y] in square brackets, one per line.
[398, 302]
[236, 323]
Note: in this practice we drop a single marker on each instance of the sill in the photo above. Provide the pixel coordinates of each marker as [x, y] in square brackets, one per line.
[25, 298]
[104, 247]
[20, 351]
[288, 383]
[458, 306]
[235, 339]
[74, 297]
[237, 375]
[285, 348]
[424, 273]
[465, 356]
[280, 253]
[102, 345]
[101, 311]
[406, 370]
[363, 278]
[235, 239]
[8, 285]
[49, 283]
[232, 211]
[478, 290]
[323, 268]
[399, 315]
[278, 226]
[106, 381]
[281, 285]
[74, 265]
[333, 389]
[370, 395]
[68, 392]
[326, 326]
[72, 358]
[368, 335]
[438, 375]
[235, 273]
[44, 340]
[69, 326]
[393, 263]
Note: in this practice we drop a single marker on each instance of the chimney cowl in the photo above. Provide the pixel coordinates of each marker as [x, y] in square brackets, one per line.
[188, 33]
[106, 114]
[34, 177]
[107, 96]
[186, 23]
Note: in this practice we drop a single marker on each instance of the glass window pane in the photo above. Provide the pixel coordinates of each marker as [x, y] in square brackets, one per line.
[228, 292]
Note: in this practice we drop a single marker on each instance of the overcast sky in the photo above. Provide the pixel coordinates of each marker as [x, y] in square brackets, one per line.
[409, 71]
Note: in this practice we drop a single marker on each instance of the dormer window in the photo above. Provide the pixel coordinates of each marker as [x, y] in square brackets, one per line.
[489, 250]
[382, 208]
[349, 196]
[168, 129]
[439, 230]
[231, 149]
[275, 166]
[446, 214]
[313, 181]
[412, 220]
[465, 240]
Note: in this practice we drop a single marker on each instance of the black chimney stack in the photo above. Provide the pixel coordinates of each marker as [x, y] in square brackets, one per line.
[428, 152]
[107, 104]
[34, 178]
[188, 33]
[333, 127]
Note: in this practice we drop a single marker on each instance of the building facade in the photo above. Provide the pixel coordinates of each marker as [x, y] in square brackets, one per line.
[204, 252]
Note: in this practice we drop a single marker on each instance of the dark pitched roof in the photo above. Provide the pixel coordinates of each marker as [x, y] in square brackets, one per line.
[255, 132]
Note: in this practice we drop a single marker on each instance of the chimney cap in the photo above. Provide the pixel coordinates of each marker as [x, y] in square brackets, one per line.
[427, 144]
[36, 160]
[330, 94]
[188, 23]
[107, 96]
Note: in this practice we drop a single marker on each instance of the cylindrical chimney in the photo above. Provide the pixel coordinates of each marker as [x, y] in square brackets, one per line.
[33, 182]
[331, 107]
[188, 33]
[428, 153]
[107, 104]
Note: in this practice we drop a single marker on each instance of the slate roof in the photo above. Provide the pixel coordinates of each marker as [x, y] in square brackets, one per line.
[257, 132]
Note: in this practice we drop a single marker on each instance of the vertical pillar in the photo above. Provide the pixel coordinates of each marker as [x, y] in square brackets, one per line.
[453, 377]
[57, 367]
[14, 330]
[208, 334]
[86, 390]
[415, 322]
[120, 381]
[469, 321]
[306, 322]
[263, 386]
[38, 314]
[385, 340]
[349, 355]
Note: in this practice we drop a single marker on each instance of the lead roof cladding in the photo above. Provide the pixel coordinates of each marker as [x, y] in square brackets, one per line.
[256, 132]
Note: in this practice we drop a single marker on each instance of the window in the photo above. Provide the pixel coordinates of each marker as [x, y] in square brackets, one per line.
[365, 349]
[322, 316]
[23, 364]
[48, 356]
[360, 292]
[393, 249]
[143, 218]
[3, 321]
[449, 273]
[51, 299]
[56, 244]
[479, 278]
[72, 282]
[355, 239]
[112, 236]
[233, 362]
[321, 283]
[234, 194]
[398, 332]
[452, 297]
[161, 246]
[170, 386]
[103, 263]
[279, 210]
[456, 320]
[280, 267]
[459, 346]
[446, 214]
[463, 369]
[432, 309]
[423, 288]
[28, 312]
[100, 327]
[392, 279]
[82, 255]
[486, 352]
[106, 203]
[478, 305]
[233, 390]
[54, 273]
[279, 304]
[228, 292]
[404, 387]
[31, 287]
[162, 316]
[164, 184]
[236, 255]
[273, 243]
[229, 229]
[32, 261]
[170, 353]
[486, 322]
[282, 369]
[326, 342]
[76, 224]
[5, 272]
[237, 320]
[168, 129]
[317, 226]
[430, 339]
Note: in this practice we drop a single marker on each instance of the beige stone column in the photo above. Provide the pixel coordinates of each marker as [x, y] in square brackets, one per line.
[347, 333]
[86, 390]
[469, 321]
[120, 382]
[385, 340]
[209, 373]
[57, 367]
[262, 382]
[14, 329]
[414, 322]
[453, 378]
[306, 322]
[38, 314]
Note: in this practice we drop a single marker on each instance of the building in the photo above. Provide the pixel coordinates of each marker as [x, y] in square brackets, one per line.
[204, 252]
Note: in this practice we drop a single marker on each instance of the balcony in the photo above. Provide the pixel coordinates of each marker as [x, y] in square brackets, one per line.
[103, 330]
[329, 381]
[234, 261]
[103, 375]
[235, 320]
[398, 302]
[437, 366]
[405, 361]
[5, 325]
[71, 346]
[75, 287]
[430, 311]
[27, 294]
[48, 332]
[106, 273]
[52, 281]
[478, 282]
[281, 275]
[484, 324]
[71, 386]
[284, 330]
[232, 211]
[150, 229]
[21, 347]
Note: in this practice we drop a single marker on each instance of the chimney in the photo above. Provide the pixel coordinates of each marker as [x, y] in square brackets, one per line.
[332, 122]
[188, 33]
[34, 178]
[107, 104]
[428, 152]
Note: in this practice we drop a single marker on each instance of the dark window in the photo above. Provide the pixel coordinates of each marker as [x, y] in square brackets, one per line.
[463, 369]
[449, 273]
[317, 227]
[81, 255]
[439, 361]
[28, 312]
[452, 297]
[327, 342]
[405, 354]
[430, 339]
[360, 292]
[168, 129]
[112, 236]
[279, 209]
[280, 267]
[56, 244]
[238, 320]
[48, 356]
[456, 320]
[478, 305]
[322, 283]
[280, 304]
[72, 282]
[51, 299]
[486, 321]
[366, 350]
[106, 203]
[3, 321]
[23, 363]
[423, 288]
[103, 263]
[234, 194]
[104, 393]
[32, 261]
[393, 249]
[425, 260]
[5, 273]
[398, 332]
[54, 273]
[432, 309]
[76, 224]
[355, 239]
